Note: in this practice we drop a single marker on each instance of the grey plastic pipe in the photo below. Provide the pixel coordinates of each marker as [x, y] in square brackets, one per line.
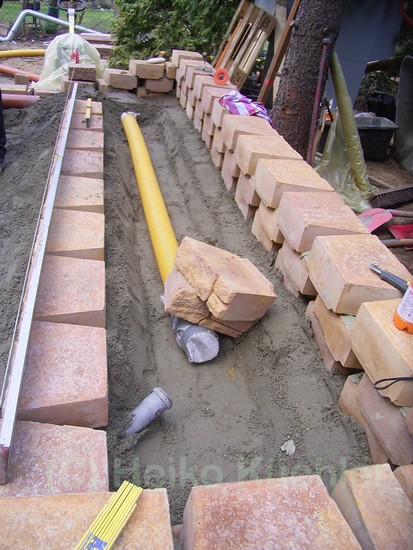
[39, 15]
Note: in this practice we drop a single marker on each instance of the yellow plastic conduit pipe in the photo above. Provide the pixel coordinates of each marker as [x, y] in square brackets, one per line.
[22, 53]
[162, 235]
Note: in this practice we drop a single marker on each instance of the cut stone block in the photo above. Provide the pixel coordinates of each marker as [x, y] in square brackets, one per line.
[191, 73]
[350, 406]
[233, 329]
[211, 94]
[170, 70]
[376, 507]
[332, 366]
[191, 101]
[143, 69]
[218, 113]
[182, 68]
[247, 190]
[404, 475]
[206, 136]
[78, 122]
[304, 216]
[66, 85]
[387, 423]
[294, 268]
[383, 350]
[22, 79]
[209, 126]
[80, 107]
[269, 222]
[337, 333]
[50, 460]
[408, 419]
[20, 89]
[180, 299]
[260, 234]
[216, 156]
[218, 142]
[200, 81]
[84, 194]
[237, 125]
[83, 72]
[275, 176]
[65, 377]
[247, 210]
[36, 522]
[234, 289]
[295, 512]
[177, 55]
[183, 99]
[339, 269]
[97, 37]
[76, 234]
[250, 148]
[85, 140]
[163, 85]
[71, 291]
[118, 78]
[189, 109]
[230, 168]
[88, 164]
[101, 85]
[198, 116]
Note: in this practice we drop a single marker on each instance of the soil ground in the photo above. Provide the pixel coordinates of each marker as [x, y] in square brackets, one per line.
[229, 417]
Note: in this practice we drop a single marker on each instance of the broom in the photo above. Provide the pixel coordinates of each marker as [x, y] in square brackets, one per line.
[396, 196]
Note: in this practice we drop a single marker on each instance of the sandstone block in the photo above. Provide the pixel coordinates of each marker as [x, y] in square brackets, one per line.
[260, 234]
[218, 142]
[209, 126]
[230, 168]
[80, 107]
[182, 68]
[250, 148]
[50, 460]
[85, 140]
[162, 85]
[191, 73]
[269, 222]
[275, 176]
[339, 270]
[198, 116]
[71, 291]
[83, 194]
[118, 78]
[14, 89]
[408, 419]
[211, 94]
[337, 333]
[247, 210]
[66, 85]
[218, 113]
[294, 268]
[191, 101]
[65, 377]
[78, 122]
[76, 234]
[332, 366]
[97, 37]
[83, 71]
[230, 328]
[216, 156]
[22, 79]
[183, 100]
[170, 70]
[376, 507]
[177, 55]
[180, 299]
[88, 164]
[294, 512]
[101, 85]
[246, 186]
[189, 109]
[404, 475]
[143, 69]
[36, 521]
[304, 216]
[200, 81]
[238, 125]
[387, 423]
[383, 350]
[205, 135]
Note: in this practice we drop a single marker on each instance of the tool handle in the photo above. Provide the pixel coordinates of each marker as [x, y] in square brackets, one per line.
[397, 242]
[394, 280]
[401, 213]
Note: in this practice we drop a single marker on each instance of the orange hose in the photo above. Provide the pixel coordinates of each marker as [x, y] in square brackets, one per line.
[19, 100]
[11, 71]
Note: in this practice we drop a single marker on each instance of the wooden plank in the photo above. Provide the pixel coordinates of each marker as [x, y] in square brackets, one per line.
[240, 12]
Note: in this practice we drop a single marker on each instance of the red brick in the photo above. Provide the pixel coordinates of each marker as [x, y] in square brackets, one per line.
[294, 512]
[375, 507]
[51, 460]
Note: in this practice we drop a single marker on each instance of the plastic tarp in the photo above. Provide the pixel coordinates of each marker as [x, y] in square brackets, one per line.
[61, 55]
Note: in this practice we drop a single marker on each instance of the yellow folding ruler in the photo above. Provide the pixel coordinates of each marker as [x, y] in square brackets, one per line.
[107, 526]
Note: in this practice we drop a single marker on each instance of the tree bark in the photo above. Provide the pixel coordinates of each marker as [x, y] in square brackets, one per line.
[292, 111]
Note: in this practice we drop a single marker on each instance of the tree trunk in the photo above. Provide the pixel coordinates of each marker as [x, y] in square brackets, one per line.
[293, 106]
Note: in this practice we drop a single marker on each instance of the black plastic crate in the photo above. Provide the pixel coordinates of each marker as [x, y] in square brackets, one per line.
[375, 135]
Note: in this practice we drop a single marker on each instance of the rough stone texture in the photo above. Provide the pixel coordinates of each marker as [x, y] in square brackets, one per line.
[247, 210]
[71, 291]
[258, 230]
[294, 268]
[387, 423]
[84, 139]
[180, 299]
[80, 107]
[275, 176]
[177, 55]
[304, 216]
[237, 125]
[118, 78]
[78, 122]
[404, 475]
[376, 507]
[332, 366]
[269, 221]
[294, 512]
[76, 234]
[88, 164]
[170, 70]
[143, 69]
[337, 333]
[339, 270]
[232, 287]
[65, 377]
[246, 186]
[218, 142]
[250, 148]
[162, 85]
[83, 194]
[350, 406]
[83, 71]
[50, 460]
[383, 350]
[49, 521]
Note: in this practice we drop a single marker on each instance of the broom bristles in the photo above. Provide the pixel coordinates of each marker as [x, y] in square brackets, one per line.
[393, 197]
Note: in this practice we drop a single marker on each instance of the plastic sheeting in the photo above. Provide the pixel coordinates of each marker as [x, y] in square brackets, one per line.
[60, 56]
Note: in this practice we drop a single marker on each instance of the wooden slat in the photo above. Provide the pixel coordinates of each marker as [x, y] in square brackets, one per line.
[240, 12]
